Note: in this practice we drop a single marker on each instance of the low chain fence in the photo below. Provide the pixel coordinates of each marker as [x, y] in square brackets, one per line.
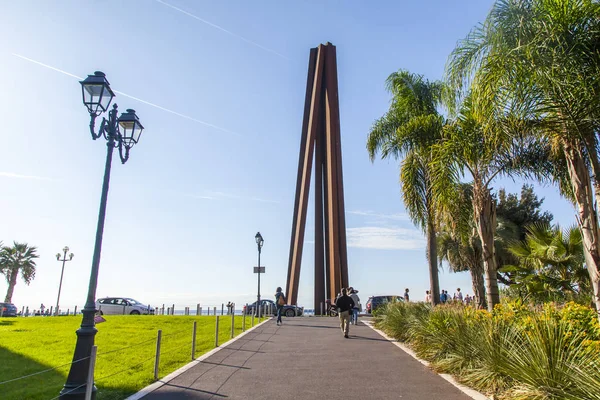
[164, 309]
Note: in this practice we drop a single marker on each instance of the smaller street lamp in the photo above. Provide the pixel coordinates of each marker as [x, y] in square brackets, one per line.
[259, 243]
[64, 260]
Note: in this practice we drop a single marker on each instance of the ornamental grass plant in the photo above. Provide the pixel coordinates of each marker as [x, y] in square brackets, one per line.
[516, 352]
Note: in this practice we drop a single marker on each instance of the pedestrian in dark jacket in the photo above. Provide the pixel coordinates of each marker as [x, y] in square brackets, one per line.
[279, 302]
[344, 304]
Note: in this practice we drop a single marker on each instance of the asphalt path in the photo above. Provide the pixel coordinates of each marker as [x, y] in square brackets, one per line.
[309, 358]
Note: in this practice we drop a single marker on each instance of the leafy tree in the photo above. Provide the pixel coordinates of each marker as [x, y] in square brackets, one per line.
[522, 211]
[14, 260]
[407, 130]
[514, 215]
[540, 60]
[550, 263]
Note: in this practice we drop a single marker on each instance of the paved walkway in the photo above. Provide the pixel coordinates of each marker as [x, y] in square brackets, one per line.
[308, 358]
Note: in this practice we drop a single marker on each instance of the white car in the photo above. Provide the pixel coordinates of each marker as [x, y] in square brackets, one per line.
[122, 306]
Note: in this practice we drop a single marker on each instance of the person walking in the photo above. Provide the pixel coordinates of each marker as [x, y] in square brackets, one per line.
[357, 306]
[406, 296]
[280, 301]
[443, 297]
[468, 300]
[344, 303]
[458, 296]
[427, 296]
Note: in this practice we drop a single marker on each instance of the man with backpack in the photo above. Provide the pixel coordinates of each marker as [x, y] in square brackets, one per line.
[279, 302]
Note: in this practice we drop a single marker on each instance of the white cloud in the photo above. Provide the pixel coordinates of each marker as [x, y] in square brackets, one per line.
[398, 217]
[371, 237]
[20, 176]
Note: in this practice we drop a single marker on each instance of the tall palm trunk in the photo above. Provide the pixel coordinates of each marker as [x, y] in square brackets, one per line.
[12, 281]
[587, 217]
[485, 221]
[478, 286]
[434, 279]
[476, 270]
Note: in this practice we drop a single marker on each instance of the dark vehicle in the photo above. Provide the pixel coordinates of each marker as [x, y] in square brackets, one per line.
[288, 311]
[8, 310]
[375, 301]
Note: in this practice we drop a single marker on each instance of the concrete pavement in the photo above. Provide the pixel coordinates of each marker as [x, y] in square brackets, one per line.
[308, 358]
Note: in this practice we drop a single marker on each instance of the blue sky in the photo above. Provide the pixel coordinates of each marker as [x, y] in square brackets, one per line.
[219, 87]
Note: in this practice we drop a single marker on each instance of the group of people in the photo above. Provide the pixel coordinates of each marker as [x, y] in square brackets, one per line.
[230, 307]
[445, 297]
[347, 303]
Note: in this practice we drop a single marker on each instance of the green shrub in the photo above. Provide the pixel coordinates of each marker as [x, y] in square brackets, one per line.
[517, 352]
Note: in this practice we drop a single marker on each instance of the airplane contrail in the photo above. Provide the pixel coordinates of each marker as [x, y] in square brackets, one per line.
[130, 96]
[223, 30]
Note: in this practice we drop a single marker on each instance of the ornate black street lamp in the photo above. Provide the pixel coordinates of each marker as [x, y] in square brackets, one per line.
[122, 132]
[64, 260]
[259, 243]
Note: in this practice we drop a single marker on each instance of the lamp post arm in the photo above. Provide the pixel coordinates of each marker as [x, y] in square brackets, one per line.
[93, 126]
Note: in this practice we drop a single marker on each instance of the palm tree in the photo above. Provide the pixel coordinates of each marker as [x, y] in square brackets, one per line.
[18, 258]
[484, 151]
[540, 59]
[550, 262]
[407, 131]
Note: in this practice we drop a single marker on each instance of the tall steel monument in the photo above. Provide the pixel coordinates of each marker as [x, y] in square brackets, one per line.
[321, 138]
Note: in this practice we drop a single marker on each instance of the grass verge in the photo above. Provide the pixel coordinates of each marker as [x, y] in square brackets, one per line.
[126, 351]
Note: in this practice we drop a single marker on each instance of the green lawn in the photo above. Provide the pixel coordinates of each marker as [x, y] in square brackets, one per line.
[126, 351]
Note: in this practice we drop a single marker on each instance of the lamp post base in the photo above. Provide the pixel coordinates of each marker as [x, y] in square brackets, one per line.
[76, 384]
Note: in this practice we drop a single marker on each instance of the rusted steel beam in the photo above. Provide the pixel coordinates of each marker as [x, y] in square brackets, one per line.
[319, 289]
[332, 89]
[332, 179]
[304, 171]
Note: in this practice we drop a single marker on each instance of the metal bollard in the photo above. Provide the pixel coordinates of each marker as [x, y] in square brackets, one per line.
[198, 309]
[68, 311]
[173, 310]
[214, 310]
[194, 341]
[51, 309]
[123, 310]
[90, 380]
[157, 359]
[217, 332]
[162, 310]
[222, 308]
[252, 319]
[243, 322]
[321, 309]
[75, 312]
[232, 323]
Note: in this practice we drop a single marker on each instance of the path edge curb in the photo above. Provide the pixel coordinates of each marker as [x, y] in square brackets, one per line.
[472, 393]
[161, 382]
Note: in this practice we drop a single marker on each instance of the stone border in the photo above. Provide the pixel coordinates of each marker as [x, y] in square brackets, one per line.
[161, 382]
[472, 393]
